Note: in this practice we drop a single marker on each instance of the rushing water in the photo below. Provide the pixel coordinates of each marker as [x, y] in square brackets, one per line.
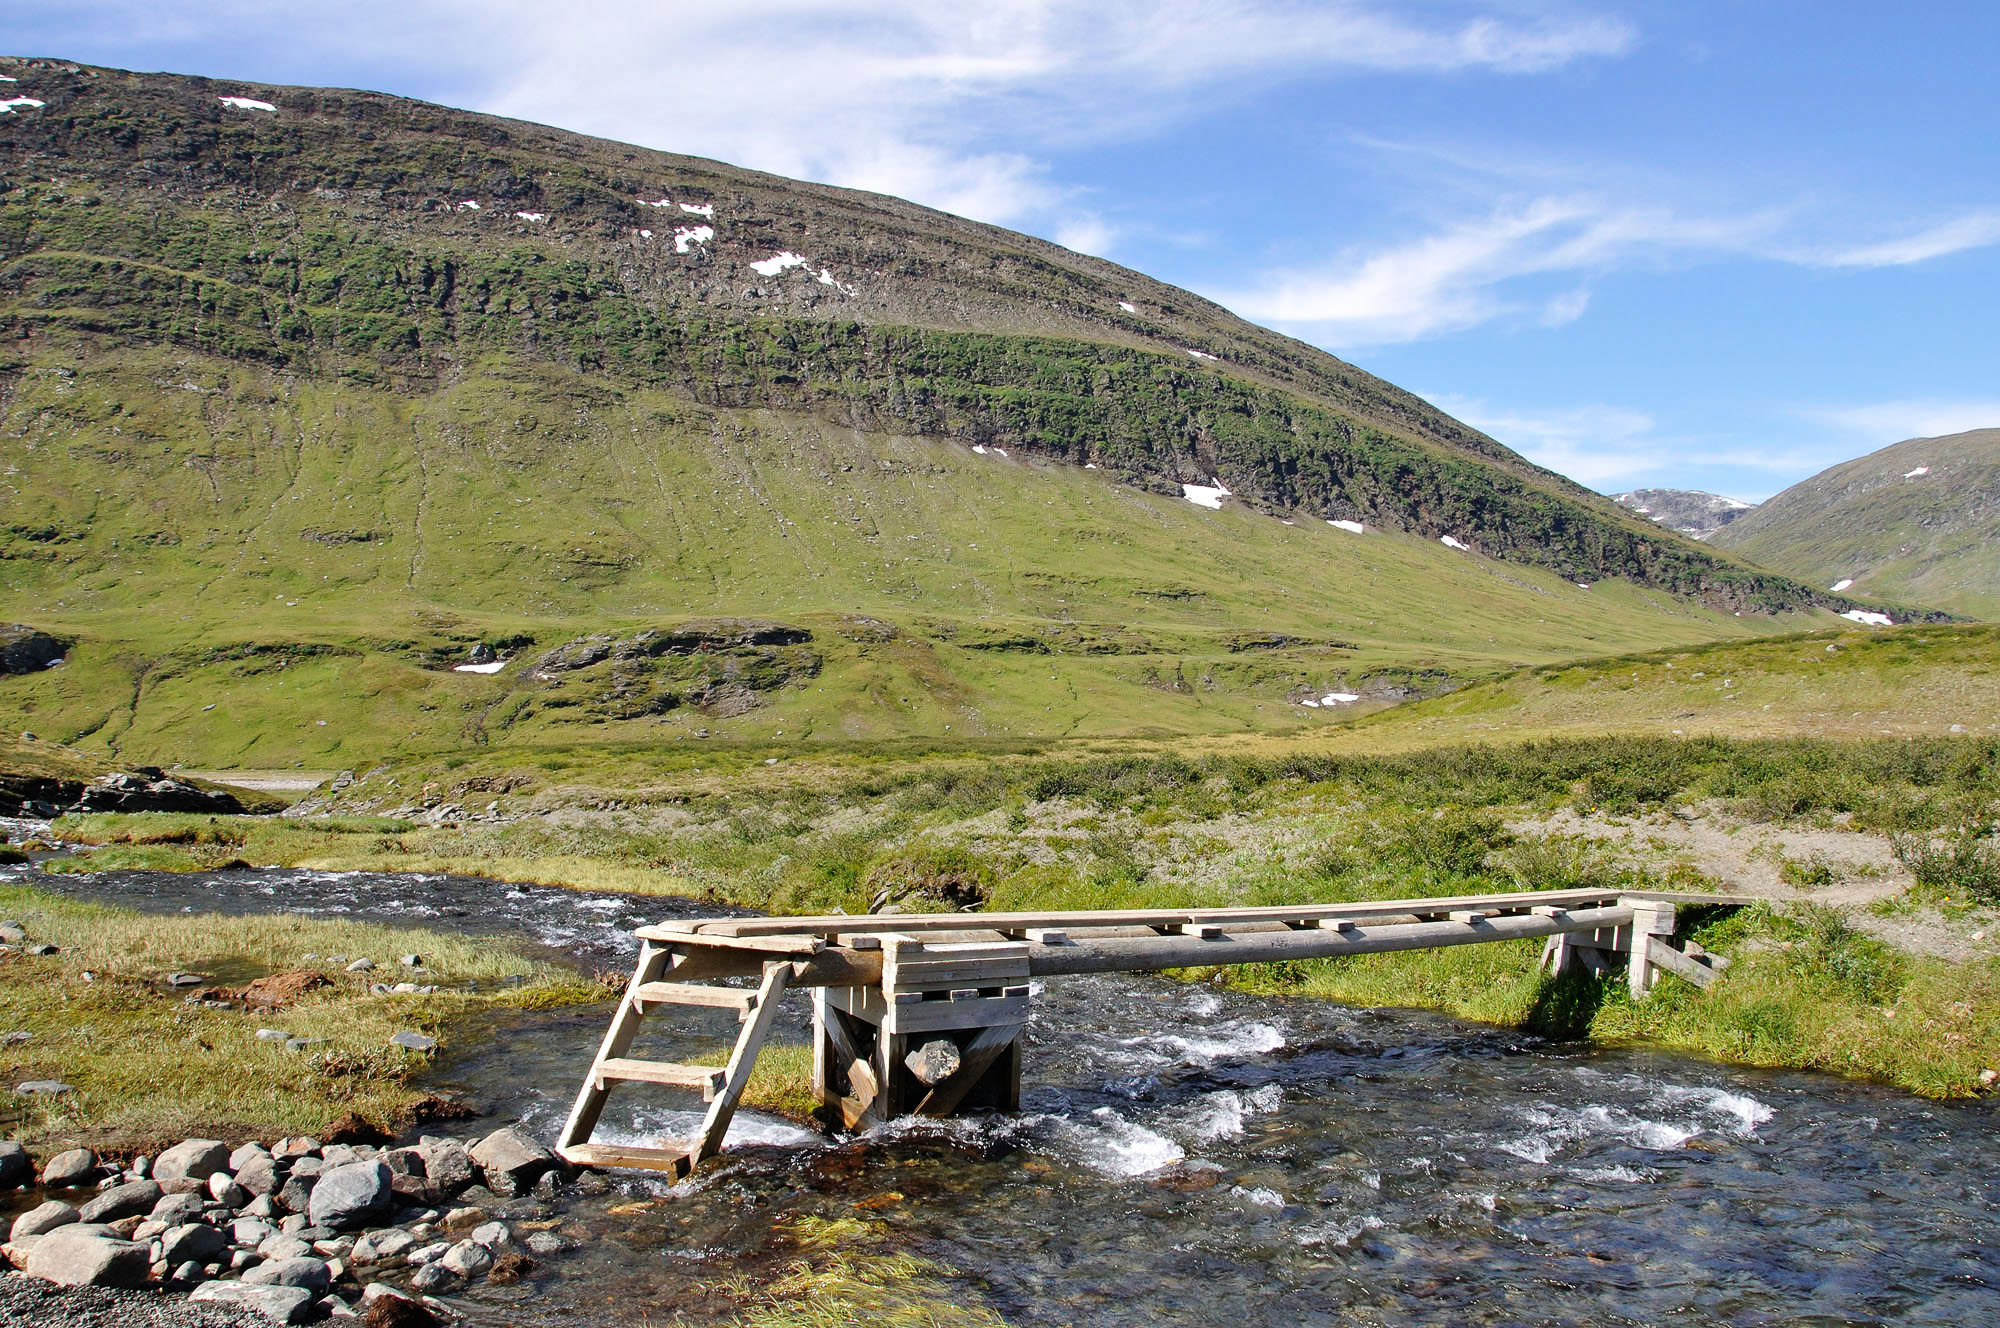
[1190, 1156]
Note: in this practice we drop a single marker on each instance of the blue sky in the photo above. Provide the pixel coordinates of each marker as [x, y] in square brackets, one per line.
[1695, 245]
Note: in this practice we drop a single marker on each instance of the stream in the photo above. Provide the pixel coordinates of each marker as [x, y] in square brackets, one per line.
[1192, 1156]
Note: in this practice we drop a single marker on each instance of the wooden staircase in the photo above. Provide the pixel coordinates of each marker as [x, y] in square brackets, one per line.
[721, 1087]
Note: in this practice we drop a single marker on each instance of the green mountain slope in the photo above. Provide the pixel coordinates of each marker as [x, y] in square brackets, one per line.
[1916, 522]
[302, 408]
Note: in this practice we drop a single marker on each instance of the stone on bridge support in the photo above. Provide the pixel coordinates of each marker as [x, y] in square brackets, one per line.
[971, 994]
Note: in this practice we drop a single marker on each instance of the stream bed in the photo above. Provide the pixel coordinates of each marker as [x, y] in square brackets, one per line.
[1192, 1156]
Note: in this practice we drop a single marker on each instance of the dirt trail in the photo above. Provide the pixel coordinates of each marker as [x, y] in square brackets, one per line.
[1749, 858]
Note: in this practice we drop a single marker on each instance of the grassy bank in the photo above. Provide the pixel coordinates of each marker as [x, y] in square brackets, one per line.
[146, 1063]
[1042, 831]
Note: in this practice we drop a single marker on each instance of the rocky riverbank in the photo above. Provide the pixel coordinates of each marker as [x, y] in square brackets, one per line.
[294, 1232]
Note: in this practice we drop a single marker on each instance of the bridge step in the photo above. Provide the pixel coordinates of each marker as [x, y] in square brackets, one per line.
[673, 1160]
[721, 1085]
[619, 1069]
[740, 999]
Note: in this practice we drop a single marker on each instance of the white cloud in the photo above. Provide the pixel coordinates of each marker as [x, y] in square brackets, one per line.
[905, 96]
[1595, 445]
[1976, 231]
[1459, 277]
[1087, 234]
[1885, 422]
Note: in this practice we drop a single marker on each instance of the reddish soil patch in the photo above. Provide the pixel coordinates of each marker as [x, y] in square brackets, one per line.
[277, 991]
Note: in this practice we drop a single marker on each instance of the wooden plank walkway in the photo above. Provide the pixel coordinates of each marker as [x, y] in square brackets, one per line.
[921, 1013]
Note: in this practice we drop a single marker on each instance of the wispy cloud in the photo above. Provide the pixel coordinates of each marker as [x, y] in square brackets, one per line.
[1975, 231]
[911, 97]
[1595, 445]
[1462, 276]
[1885, 422]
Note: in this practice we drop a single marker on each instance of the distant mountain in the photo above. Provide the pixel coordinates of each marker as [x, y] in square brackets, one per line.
[1917, 522]
[333, 423]
[1693, 513]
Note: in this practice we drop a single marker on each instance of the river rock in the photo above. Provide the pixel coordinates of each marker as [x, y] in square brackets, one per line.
[282, 1245]
[196, 1159]
[413, 1041]
[280, 1304]
[43, 1088]
[430, 1253]
[302, 1146]
[241, 1157]
[308, 1168]
[468, 1259]
[548, 1242]
[42, 1219]
[352, 1196]
[294, 1194]
[70, 1258]
[78, 1166]
[448, 1165]
[250, 1232]
[305, 1272]
[223, 1189]
[16, 1167]
[380, 1246]
[132, 1199]
[511, 1162]
[433, 1278]
[193, 1240]
[492, 1234]
[361, 965]
[174, 1209]
[258, 1174]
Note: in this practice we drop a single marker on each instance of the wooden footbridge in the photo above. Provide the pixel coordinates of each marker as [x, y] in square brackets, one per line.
[922, 1013]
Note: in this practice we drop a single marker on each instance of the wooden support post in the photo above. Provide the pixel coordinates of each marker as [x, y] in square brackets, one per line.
[1650, 918]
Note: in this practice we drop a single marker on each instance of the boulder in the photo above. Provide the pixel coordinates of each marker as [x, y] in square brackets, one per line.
[511, 1162]
[195, 1241]
[174, 1209]
[25, 649]
[352, 1196]
[279, 1304]
[468, 1259]
[16, 1167]
[281, 1245]
[259, 1174]
[242, 1155]
[492, 1234]
[448, 1165]
[250, 1232]
[294, 1194]
[304, 1272]
[132, 1199]
[197, 1159]
[223, 1189]
[81, 1259]
[41, 1220]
